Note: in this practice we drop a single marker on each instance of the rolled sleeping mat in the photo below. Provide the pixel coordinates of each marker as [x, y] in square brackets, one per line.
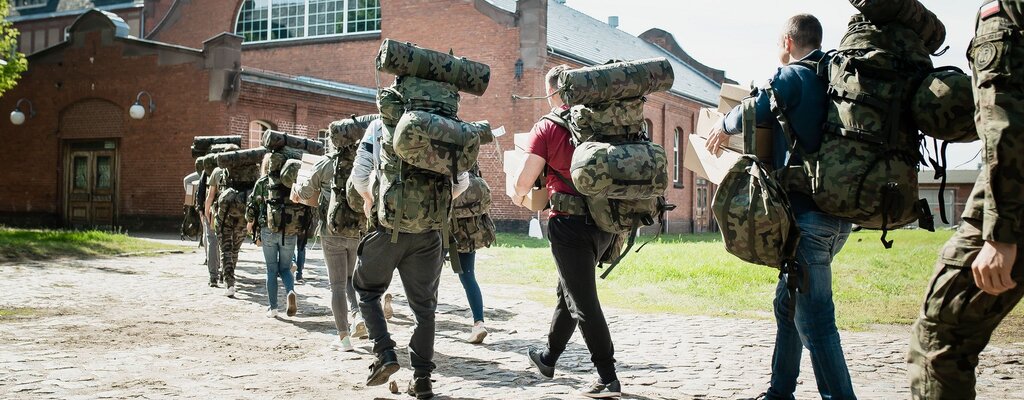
[239, 158]
[276, 140]
[910, 13]
[349, 131]
[223, 148]
[404, 58]
[201, 144]
[615, 81]
[943, 107]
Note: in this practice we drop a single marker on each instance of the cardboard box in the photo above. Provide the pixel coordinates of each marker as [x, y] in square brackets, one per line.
[707, 119]
[731, 96]
[520, 140]
[712, 167]
[537, 199]
[190, 193]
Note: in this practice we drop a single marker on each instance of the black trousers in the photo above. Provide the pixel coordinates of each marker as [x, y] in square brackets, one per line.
[577, 246]
[418, 259]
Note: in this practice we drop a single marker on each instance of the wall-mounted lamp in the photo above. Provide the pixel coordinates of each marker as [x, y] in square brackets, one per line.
[519, 69]
[137, 111]
[17, 116]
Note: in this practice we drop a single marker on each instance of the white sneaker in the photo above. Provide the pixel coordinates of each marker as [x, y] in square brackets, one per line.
[388, 310]
[479, 332]
[293, 304]
[271, 313]
[342, 344]
[231, 291]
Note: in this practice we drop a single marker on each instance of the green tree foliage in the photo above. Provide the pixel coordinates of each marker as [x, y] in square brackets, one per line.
[16, 62]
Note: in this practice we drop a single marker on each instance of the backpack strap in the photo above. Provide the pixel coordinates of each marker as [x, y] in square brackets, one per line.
[558, 117]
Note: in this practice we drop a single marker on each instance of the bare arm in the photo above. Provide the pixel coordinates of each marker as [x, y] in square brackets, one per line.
[527, 176]
[211, 193]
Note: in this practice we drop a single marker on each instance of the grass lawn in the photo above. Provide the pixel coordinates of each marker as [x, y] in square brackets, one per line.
[32, 244]
[693, 274]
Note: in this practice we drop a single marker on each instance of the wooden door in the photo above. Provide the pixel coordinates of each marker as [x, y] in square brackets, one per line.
[91, 185]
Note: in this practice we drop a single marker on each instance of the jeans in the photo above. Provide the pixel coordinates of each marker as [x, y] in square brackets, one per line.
[278, 255]
[468, 278]
[418, 258]
[577, 246]
[814, 325]
[300, 260]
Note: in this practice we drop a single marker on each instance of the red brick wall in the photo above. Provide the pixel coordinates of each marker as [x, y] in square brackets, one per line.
[289, 111]
[191, 23]
[153, 152]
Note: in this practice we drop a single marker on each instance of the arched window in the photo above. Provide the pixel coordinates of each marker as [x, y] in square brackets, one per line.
[256, 129]
[271, 20]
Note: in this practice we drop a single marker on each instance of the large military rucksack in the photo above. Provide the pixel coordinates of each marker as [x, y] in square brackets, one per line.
[621, 174]
[342, 217]
[241, 170]
[866, 168]
[424, 146]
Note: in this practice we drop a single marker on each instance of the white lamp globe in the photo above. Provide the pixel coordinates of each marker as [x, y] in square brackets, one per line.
[137, 111]
[17, 117]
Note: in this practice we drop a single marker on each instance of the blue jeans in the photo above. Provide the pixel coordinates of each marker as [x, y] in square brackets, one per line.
[814, 325]
[300, 260]
[278, 255]
[468, 278]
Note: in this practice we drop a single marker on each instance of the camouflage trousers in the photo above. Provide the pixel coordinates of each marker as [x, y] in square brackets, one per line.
[230, 234]
[956, 321]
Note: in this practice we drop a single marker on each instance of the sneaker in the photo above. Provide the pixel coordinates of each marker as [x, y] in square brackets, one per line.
[388, 310]
[230, 291]
[603, 391]
[535, 358]
[382, 368]
[359, 329]
[299, 280]
[293, 304]
[342, 344]
[213, 284]
[479, 332]
[271, 313]
[420, 388]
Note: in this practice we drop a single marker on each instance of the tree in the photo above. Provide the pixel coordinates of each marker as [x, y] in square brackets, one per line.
[16, 62]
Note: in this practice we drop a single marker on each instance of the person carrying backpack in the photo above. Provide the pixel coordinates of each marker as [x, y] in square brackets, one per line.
[979, 278]
[577, 245]
[277, 220]
[806, 318]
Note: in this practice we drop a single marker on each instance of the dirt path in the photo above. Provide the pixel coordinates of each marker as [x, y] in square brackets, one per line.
[151, 328]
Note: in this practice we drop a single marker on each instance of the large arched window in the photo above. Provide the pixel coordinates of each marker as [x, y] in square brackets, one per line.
[271, 20]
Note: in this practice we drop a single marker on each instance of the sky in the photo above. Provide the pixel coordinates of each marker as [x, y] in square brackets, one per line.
[741, 36]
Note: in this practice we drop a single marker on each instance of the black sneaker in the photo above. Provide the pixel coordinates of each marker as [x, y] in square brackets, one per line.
[382, 368]
[535, 358]
[213, 284]
[420, 388]
[603, 390]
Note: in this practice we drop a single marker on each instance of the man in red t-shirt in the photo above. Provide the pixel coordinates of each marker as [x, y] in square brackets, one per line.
[577, 245]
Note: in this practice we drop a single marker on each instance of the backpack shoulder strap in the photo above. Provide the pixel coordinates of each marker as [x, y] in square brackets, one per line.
[559, 118]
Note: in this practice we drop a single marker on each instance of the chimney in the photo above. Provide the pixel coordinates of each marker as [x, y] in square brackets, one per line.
[613, 21]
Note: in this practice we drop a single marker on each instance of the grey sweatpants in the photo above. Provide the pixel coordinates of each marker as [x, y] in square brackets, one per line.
[418, 258]
[340, 257]
[212, 251]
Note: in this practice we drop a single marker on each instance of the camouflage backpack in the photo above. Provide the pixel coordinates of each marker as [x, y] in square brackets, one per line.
[348, 132]
[274, 140]
[282, 215]
[437, 143]
[410, 199]
[342, 218]
[609, 118]
[423, 95]
[472, 227]
[943, 106]
[241, 170]
[866, 168]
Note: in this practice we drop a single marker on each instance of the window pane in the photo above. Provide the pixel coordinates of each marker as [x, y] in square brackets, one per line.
[363, 16]
[288, 19]
[28, 3]
[326, 17]
[80, 172]
[103, 172]
[252, 20]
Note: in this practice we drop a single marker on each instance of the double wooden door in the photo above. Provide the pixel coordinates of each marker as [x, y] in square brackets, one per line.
[91, 184]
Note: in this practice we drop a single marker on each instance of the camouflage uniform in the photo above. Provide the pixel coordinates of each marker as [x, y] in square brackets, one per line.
[957, 318]
[230, 233]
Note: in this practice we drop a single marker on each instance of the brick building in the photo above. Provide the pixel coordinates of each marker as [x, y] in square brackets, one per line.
[959, 184]
[303, 63]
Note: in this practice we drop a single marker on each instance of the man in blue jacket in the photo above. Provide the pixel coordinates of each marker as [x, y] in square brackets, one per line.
[806, 319]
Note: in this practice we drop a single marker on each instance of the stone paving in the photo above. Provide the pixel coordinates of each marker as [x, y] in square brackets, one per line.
[151, 328]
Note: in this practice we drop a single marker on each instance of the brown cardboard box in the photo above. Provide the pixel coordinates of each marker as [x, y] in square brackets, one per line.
[708, 118]
[190, 193]
[537, 199]
[731, 96]
[712, 167]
